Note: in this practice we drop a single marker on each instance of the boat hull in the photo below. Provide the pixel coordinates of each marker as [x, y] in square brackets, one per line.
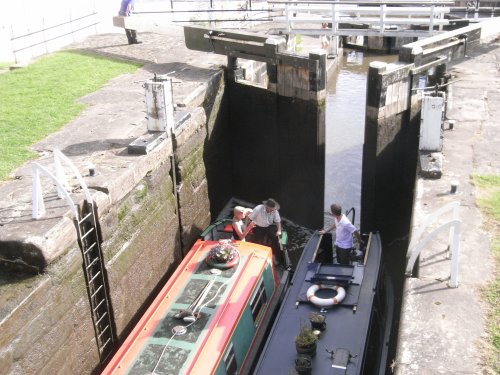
[204, 321]
[357, 329]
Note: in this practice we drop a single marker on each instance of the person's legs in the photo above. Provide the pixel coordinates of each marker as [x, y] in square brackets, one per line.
[259, 234]
[272, 240]
[343, 255]
[267, 236]
[130, 39]
[132, 36]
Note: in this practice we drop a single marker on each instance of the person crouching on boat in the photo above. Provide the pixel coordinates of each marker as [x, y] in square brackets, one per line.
[267, 230]
[240, 229]
[344, 230]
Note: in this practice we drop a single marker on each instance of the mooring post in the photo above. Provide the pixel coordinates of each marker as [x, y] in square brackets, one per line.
[159, 103]
[317, 72]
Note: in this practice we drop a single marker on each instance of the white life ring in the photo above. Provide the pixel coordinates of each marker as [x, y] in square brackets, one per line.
[325, 302]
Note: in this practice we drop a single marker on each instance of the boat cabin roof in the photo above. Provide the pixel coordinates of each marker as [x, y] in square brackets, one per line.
[341, 347]
[163, 343]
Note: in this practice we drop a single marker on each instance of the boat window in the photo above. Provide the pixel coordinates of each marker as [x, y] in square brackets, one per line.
[230, 361]
[258, 301]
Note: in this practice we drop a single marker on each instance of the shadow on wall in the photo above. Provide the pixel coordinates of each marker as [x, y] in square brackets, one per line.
[278, 151]
[217, 154]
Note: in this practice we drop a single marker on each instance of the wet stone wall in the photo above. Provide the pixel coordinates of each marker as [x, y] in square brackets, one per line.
[278, 151]
[392, 128]
[46, 325]
[51, 331]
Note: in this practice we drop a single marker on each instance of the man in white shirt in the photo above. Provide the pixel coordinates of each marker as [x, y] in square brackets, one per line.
[267, 222]
[344, 230]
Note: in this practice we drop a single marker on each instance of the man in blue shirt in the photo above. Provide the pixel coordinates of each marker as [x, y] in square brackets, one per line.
[126, 9]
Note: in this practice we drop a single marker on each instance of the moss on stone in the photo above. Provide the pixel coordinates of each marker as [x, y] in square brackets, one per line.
[139, 212]
[322, 104]
[140, 192]
[191, 163]
[122, 212]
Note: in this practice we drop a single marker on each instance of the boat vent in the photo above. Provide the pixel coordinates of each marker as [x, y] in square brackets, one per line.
[332, 274]
[341, 358]
[179, 330]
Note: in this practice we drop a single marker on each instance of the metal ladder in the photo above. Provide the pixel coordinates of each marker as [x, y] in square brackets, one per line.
[85, 220]
[96, 283]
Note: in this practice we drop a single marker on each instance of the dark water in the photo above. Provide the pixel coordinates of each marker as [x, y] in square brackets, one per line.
[345, 125]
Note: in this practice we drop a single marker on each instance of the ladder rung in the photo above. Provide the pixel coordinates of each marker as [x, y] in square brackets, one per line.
[103, 345]
[92, 263]
[86, 234]
[99, 321]
[95, 276]
[100, 303]
[90, 248]
[85, 218]
[97, 291]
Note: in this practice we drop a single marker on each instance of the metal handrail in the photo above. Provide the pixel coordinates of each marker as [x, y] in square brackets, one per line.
[38, 206]
[454, 227]
[353, 210]
[379, 15]
[61, 182]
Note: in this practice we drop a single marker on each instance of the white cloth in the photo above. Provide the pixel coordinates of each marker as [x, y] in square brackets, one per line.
[263, 218]
[343, 232]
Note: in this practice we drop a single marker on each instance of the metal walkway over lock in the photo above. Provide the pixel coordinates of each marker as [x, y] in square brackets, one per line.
[356, 18]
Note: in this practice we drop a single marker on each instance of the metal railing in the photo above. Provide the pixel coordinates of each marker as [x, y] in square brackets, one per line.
[349, 18]
[47, 34]
[61, 182]
[454, 225]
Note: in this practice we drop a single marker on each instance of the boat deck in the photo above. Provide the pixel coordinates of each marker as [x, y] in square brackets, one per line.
[166, 341]
[341, 348]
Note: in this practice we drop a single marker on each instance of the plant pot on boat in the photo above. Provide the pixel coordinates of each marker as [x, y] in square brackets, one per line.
[317, 321]
[305, 341]
[223, 255]
[303, 365]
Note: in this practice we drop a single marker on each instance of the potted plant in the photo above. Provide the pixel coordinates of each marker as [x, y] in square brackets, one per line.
[223, 255]
[303, 365]
[305, 341]
[317, 321]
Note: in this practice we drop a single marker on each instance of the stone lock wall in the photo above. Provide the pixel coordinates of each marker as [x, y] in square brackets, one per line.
[46, 326]
[51, 331]
[278, 151]
[393, 123]
[142, 244]
[389, 141]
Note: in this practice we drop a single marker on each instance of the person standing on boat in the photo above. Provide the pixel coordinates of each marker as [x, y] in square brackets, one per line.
[344, 230]
[267, 221]
[240, 229]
